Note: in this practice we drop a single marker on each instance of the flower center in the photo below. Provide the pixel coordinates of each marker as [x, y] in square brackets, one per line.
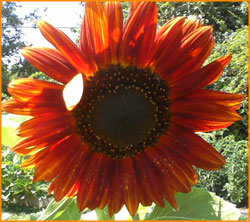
[123, 110]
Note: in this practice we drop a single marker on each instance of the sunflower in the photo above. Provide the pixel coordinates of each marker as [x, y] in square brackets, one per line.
[120, 126]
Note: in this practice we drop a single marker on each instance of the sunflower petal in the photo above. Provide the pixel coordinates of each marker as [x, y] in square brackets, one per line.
[149, 180]
[200, 78]
[34, 90]
[89, 179]
[223, 98]
[72, 171]
[201, 110]
[130, 186]
[191, 147]
[116, 198]
[67, 48]
[55, 159]
[133, 6]
[189, 53]
[115, 24]
[51, 62]
[138, 35]
[94, 34]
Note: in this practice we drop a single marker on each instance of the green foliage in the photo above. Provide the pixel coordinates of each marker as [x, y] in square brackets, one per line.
[103, 214]
[226, 17]
[12, 43]
[66, 209]
[230, 182]
[196, 205]
[42, 76]
[17, 183]
[235, 76]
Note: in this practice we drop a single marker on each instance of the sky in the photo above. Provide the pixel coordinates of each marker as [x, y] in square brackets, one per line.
[59, 14]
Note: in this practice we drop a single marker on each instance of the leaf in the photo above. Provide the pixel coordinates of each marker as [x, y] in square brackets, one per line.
[199, 204]
[243, 218]
[66, 209]
[8, 136]
[9, 124]
[103, 214]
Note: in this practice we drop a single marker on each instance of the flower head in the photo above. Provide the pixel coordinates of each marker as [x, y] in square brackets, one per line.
[120, 128]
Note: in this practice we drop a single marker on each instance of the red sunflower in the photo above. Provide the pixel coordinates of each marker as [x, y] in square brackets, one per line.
[129, 137]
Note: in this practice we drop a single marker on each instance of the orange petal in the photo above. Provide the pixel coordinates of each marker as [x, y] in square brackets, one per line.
[189, 53]
[31, 108]
[200, 78]
[35, 159]
[191, 147]
[130, 186]
[223, 98]
[45, 123]
[138, 35]
[116, 198]
[55, 159]
[200, 125]
[67, 48]
[190, 25]
[169, 36]
[172, 169]
[202, 110]
[89, 181]
[149, 180]
[72, 170]
[133, 6]
[34, 90]
[103, 189]
[115, 24]
[95, 34]
[51, 62]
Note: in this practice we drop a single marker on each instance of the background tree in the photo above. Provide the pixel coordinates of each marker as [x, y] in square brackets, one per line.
[13, 65]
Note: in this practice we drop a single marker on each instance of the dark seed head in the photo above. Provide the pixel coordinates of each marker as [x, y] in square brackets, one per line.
[123, 110]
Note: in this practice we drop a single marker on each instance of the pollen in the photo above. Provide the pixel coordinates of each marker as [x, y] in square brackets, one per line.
[123, 111]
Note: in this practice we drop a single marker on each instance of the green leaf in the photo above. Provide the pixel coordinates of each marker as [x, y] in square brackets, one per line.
[103, 214]
[9, 136]
[243, 218]
[9, 124]
[66, 209]
[196, 205]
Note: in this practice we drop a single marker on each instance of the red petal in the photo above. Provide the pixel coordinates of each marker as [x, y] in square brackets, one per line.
[191, 147]
[51, 62]
[31, 108]
[67, 48]
[49, 167]
[149, 180]
[133, 6]
[94, 34]
[189, 53]
[202, 110]
[129, 186]
[72, 170]
[45, 123]
[199, 78]
[200, 125]
[138, 35]
[89, 181]
[223, 98]
[116, 198]
[34, 90]
[115, 24]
